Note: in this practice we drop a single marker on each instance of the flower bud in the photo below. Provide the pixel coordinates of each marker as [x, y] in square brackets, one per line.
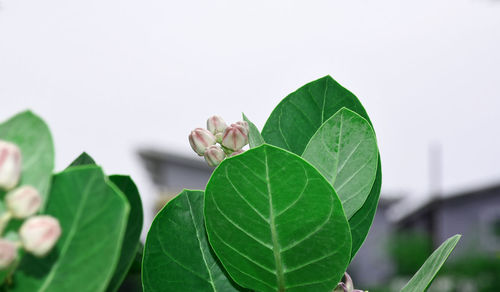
[8, 253]
[244, 125]
[10, 165]
[23, 202]
[235, 137]
[216, 124]
[236, 153]
[214, 155]
[200, 139]
[39, 234]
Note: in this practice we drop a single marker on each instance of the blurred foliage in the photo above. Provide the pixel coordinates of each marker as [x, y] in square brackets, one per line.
[480, 271]
[409, 250]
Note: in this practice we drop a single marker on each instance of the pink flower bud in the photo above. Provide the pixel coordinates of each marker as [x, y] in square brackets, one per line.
[236, 153]
[39, 234]
[8, 253]
[235, 137]
[200, 139]
[10, 165]
[216, 124]
[244, 125]
[214, 155]
[23, 202]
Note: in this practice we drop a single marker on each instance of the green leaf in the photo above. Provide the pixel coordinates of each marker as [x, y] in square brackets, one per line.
[275, 223]
[134, 227]
[344, 150]
[297, 118]
[177, 256]
[361, 222]
[299, 115]
[83, 159]
[255, 138]
[30, 133]
[424, 276]
[93, 216]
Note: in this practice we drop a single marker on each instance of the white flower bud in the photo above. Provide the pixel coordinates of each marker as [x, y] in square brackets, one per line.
[39, 234]
[200, 139]
[214, 155]
[216, 124]
[235, 137]
[10, 165]
[8, 253]
[236, 153]
[23, 202]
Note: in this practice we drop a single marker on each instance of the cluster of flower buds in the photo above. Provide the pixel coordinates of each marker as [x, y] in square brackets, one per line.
[38, 234]
[231, 140]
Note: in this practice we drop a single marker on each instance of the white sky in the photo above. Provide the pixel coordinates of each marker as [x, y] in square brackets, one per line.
[112, 76]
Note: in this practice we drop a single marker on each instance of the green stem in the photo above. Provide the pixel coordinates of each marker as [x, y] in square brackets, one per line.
[4, 220]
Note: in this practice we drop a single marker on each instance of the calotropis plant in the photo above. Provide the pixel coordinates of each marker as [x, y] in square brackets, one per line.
[289, 214]
[76, 230]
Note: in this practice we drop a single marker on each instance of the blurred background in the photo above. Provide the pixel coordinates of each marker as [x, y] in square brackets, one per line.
[126, 81]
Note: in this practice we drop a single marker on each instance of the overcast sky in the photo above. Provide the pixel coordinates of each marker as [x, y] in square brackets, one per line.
[113, 76]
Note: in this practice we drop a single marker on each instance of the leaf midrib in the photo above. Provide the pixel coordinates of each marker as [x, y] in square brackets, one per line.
[280, 279]
[72, 233]
[211, 281]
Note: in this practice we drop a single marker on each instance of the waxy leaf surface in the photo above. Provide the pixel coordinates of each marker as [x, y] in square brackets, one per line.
[361, 222]
[93, 215]
[297, 118]
[177, 256]
[275, 223]
[424, 276]
[344, 150]
[254, 137]
[32, 136]
[299, 115]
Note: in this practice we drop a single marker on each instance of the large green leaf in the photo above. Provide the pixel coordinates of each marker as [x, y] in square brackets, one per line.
[33, 137]
[299, 115]
[133, 232]
[297, 118]
[93, 215]
[177, 256]
[361, 222]
[131, 242]
[275, 223]
[344, 150]
[254, 138]
[424, 276]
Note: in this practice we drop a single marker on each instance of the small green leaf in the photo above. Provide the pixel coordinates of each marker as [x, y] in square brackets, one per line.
[344, 150]
[83, 159]
[30, 133]
[134, 227]
[93, 216]
[275, 223]
[361, 222]
[424, 276]
[177, 256]
[299, 115]
[255, 138]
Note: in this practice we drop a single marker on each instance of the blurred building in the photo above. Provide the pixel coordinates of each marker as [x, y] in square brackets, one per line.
[475, 214]
[171, 173]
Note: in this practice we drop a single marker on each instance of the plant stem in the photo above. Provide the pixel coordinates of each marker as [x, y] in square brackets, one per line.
[4, 220]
